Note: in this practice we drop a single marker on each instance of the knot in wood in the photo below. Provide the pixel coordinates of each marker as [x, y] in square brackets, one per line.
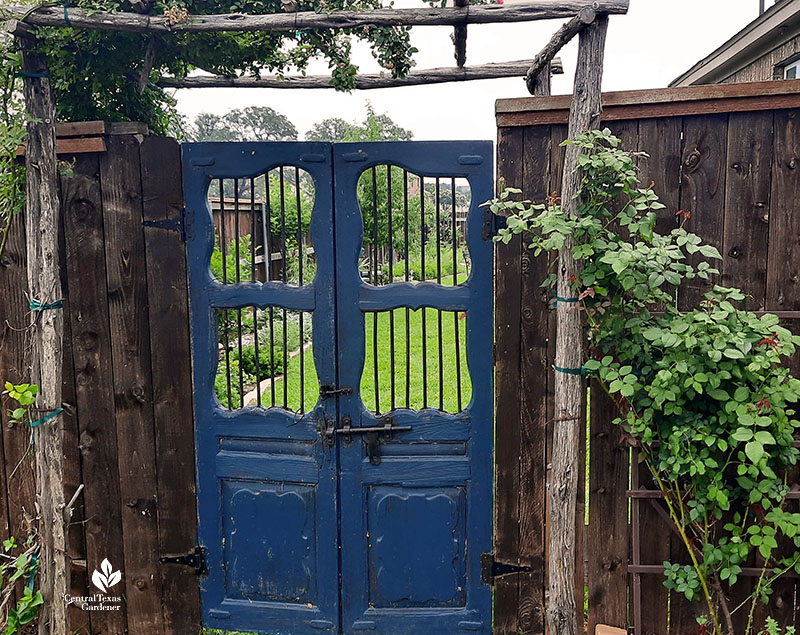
[693, 160]
[792, 164]
[140, 584]
[734, 252]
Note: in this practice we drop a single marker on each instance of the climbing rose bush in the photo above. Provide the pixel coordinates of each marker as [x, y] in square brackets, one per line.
[703, 393]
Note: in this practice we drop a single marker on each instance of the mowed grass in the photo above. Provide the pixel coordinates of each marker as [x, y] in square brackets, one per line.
[416, 381]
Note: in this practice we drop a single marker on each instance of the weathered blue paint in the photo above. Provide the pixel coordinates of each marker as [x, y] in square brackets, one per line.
[303, 538]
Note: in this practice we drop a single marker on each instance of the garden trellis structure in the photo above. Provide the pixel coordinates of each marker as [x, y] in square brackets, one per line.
[42, 218]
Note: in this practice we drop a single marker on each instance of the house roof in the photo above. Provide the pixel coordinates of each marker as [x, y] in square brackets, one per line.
[777, 25]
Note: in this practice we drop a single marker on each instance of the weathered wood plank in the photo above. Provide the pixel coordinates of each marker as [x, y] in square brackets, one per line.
[91, 341]
[449, 16]
[661, 140]
[126, 273]
[659, 102]
[747, 204]
[170, 356]
[533, 393]
[608, 531]
[17, 481]
[703, 190]
[783, 266]
[507, 377]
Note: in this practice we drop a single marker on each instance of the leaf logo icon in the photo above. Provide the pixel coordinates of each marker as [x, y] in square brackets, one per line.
[106, 577]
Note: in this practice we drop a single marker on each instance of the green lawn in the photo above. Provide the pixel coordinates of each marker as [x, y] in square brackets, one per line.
[411, 367]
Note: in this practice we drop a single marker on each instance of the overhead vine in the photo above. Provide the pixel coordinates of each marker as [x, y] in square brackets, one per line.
[703, 393]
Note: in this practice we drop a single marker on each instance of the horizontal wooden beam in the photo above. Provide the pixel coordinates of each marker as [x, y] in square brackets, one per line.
[449, 16]
[659, 102]
[752, 572]
[363, 82]
[78, 145]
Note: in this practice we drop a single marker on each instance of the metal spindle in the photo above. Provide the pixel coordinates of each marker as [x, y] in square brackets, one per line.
[284, 263]
[253, 279]
[238, 269]
[455, 282]
[268, 220]
[391, 279]
[375, 282]
[423, 309]
[439, 281]
[408, 313]
[301, 255]
[224, 250]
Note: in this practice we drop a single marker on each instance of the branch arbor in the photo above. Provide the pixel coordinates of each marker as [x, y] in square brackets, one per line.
[589, 18]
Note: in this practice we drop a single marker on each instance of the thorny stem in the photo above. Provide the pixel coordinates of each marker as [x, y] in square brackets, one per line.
[723, 602]
[4, 238]
[755, 597]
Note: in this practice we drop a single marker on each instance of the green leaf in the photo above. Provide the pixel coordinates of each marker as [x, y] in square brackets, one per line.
[733, 353]
[754, 451]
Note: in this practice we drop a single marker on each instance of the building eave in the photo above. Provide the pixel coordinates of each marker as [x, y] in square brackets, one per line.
[779, 24]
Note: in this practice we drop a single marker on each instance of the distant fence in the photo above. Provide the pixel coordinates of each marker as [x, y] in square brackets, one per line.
[729, 154]
[128, 423]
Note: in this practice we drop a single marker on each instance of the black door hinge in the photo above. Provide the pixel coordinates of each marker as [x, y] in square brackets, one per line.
[491, 568]
[492, 224]
[196, 559]
[177, 224]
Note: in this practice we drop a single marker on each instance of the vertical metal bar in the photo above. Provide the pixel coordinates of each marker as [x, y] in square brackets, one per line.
[375, 282]
[408, 313]
[439, 281]
[392, 378]
[301, 256]
[238, 268]
[284, 264]
[253, 279]
[423, 309]
[455, 282]
[268, 221]
[224, 249]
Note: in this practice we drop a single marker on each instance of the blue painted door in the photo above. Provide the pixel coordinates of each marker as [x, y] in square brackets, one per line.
[309, 522]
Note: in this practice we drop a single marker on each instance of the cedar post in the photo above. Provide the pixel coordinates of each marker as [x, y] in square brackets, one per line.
[569, 388]
[44, 285]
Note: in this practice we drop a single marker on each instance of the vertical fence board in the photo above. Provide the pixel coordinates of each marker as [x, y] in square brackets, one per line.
[661, 140]
[703, 189]
[507, 374]
[94, 382]
[17, 475]
[533, 396]
[747, 203]
[130, 333]
[172, 382]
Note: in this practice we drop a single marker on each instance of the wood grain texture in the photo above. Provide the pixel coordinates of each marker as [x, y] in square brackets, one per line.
[126, 275]
[562, 614]
[703, 191]
[170, 357]
[450, 16]
[42, 218]
[94, 384]
[783, 264]
[507, 381]
[534, 371]
[747, 204]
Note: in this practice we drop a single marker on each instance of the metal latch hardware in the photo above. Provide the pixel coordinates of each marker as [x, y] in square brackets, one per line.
[492, 224]
[196, 559]
[328, 390]
[326, 426]
[372, 432]
[491, 568]
[177, 224]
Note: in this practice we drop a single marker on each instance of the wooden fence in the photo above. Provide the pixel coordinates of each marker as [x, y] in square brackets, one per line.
[128, 423]
[730, 155]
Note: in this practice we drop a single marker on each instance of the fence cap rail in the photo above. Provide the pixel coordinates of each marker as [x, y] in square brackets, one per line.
[657, 102]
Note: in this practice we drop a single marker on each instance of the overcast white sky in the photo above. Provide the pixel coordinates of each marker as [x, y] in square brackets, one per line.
[647, 48]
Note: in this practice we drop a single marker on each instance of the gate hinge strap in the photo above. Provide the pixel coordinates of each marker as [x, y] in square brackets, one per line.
[491, 568]
[327, 390]
[196, 559]
[176, 224]
[492, 224]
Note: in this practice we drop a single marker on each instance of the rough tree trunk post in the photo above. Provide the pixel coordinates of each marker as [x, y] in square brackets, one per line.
[569, 416]
[44, 285]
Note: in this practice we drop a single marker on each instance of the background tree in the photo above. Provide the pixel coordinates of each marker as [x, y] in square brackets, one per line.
[375, 127]
[254, 123]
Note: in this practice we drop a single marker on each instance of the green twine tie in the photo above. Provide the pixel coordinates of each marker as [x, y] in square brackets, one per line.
[35, 305]
[47, 417]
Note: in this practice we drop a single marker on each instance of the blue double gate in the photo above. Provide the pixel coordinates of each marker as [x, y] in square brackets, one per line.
[336, 518]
